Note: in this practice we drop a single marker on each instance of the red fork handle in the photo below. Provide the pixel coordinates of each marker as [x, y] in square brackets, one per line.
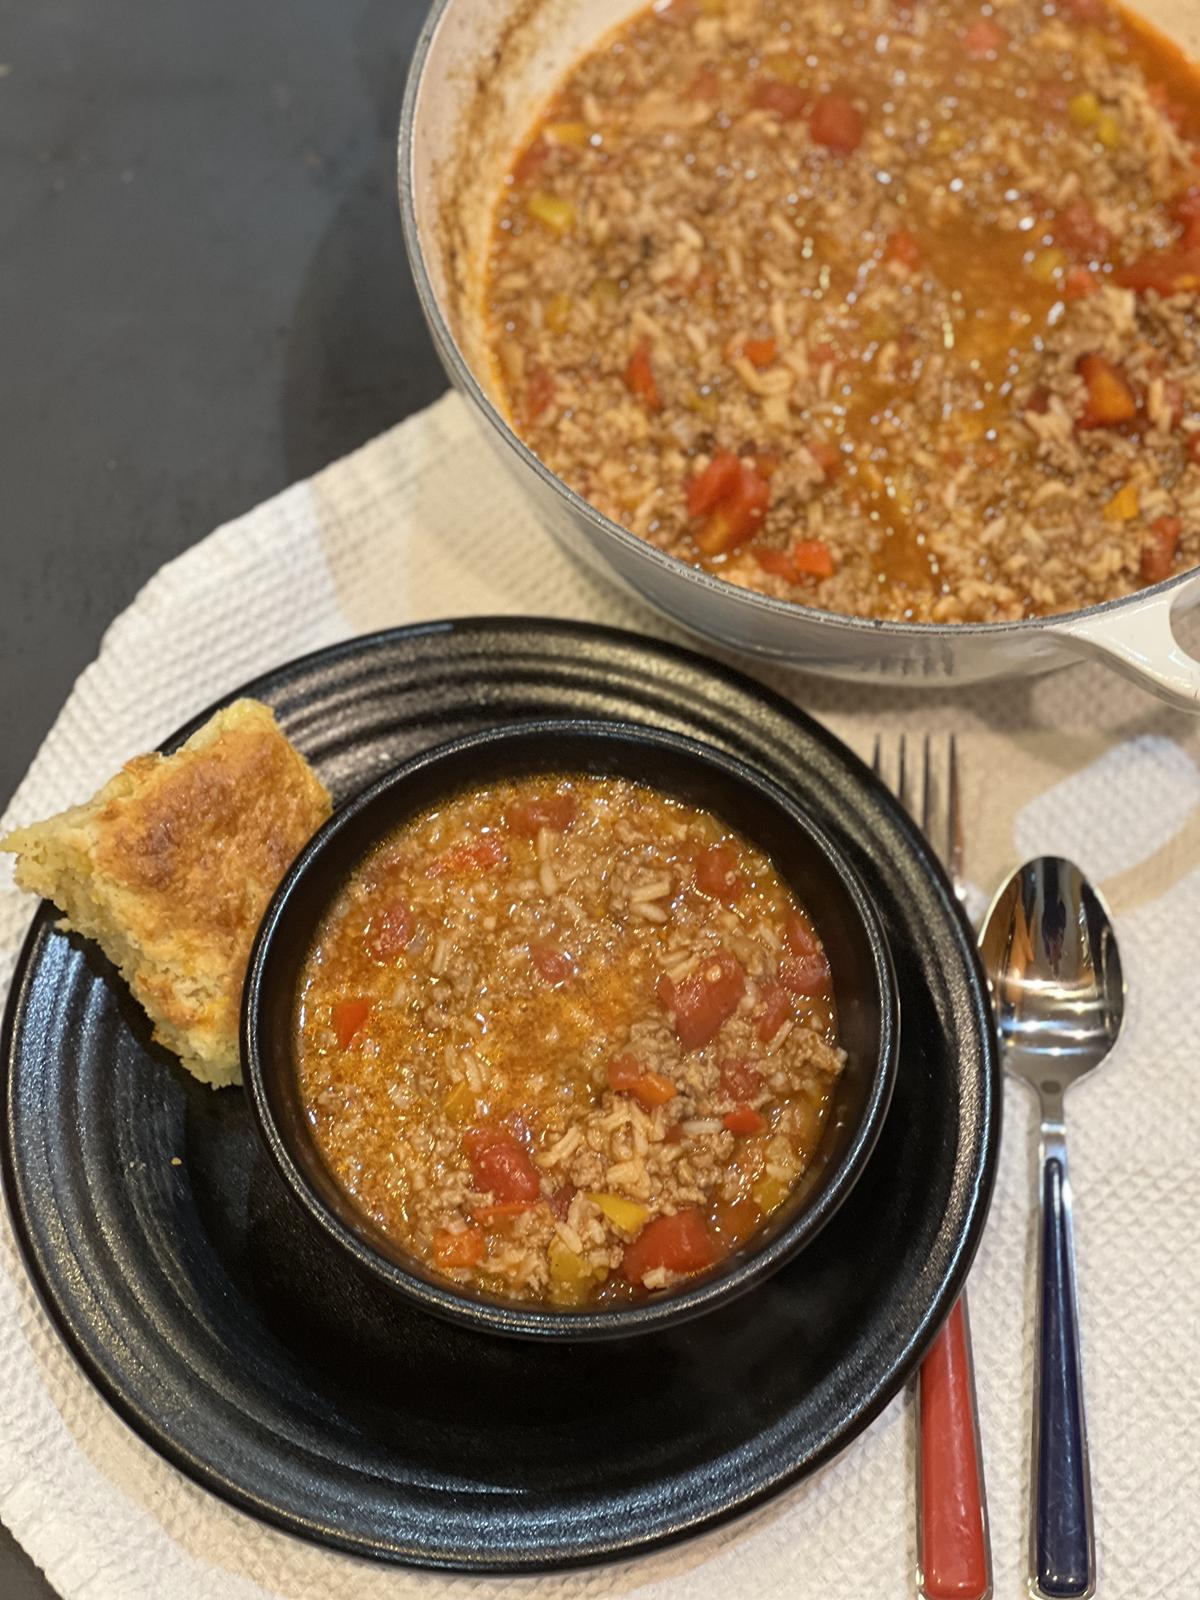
[955, 1551]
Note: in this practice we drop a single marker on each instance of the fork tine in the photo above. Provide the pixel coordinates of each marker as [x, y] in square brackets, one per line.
[948, 844]
[954, 829]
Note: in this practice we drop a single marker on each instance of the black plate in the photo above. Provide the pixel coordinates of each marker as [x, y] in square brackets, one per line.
[233, 1336]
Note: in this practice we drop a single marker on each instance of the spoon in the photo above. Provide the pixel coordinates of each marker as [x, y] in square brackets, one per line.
[1059, 995]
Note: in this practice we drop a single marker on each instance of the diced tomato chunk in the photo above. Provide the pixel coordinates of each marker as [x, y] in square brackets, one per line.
[539, 393]
[348, 1017]
[717, 873]
[1165, 272]
[703, 1003]
[532, 159]
[745, 1120]
[487, 851]
[500, 1166]
[708, 488]
[463, 1249]
[1081, 283]
[627, 1075]
[826, 454]
[679, 1243]
[739, 1080]
[1158, 550]
[738, 515]
[704, 86]
[836, 123]
[984, 40]
[759, 352]
[390, 931]
[776, 1009]
[1173, 110]
[551, 965]
[801, 940]
[640, 379]
[1110, 400]
[812, 558]
[553, 811]
[1081, 233]
[805, 976]
[777, 562]
[787, 101]
[903, 247]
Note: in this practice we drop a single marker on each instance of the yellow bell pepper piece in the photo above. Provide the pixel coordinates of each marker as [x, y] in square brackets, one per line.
[558, 313]
[704, 405]
[459, 1105]
[553, 213]
[624, 1214]
[1108, 131]
[769, 1193]
[565, 1266]
[571, 1277]
[606, 292]
[576, 133]
[1084, 110]
[1048, 265]
[1123, 506]
[784, 67]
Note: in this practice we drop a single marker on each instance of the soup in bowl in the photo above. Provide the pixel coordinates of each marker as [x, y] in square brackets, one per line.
[571, 1031]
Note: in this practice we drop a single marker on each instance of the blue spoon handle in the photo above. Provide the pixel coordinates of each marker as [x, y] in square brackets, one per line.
[1064, 1547]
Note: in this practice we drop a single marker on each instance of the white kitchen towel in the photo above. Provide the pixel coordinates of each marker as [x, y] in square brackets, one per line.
[423, 523]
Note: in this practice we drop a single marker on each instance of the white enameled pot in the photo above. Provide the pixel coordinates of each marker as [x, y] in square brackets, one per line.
[481, 70]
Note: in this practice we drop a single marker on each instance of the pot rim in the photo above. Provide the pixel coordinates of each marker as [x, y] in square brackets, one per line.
[463, 377]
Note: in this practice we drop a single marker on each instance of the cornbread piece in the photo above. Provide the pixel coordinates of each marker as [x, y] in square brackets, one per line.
[170, 868]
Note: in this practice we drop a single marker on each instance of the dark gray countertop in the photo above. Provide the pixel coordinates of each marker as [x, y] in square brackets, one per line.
[204, 297]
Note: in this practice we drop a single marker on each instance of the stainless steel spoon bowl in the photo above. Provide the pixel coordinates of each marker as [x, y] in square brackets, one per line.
[1059, 994]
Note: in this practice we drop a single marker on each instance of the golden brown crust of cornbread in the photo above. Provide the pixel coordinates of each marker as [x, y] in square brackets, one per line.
[170, 868]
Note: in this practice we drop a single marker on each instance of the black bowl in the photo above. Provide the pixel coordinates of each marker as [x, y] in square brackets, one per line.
[863, 979]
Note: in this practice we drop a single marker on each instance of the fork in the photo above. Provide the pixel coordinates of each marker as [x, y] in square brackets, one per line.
[954, 1554]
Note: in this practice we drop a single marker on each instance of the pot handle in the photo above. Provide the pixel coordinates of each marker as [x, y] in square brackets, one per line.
[1141, 644]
